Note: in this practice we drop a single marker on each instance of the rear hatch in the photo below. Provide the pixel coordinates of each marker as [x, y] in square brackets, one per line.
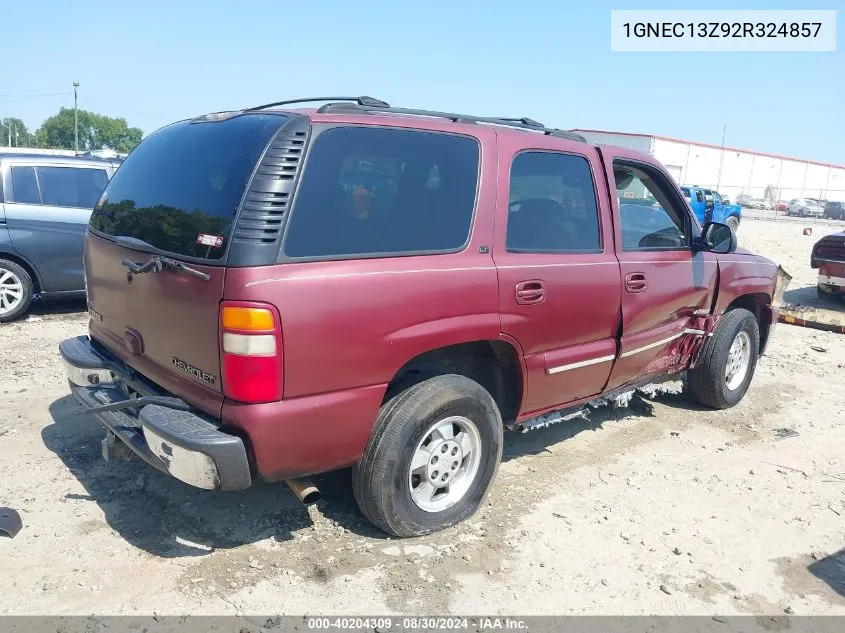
[155, 257]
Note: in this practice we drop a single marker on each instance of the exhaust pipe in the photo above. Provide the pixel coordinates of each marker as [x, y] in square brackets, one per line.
[305, 490]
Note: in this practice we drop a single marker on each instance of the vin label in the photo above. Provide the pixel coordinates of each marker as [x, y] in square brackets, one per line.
[711, 30]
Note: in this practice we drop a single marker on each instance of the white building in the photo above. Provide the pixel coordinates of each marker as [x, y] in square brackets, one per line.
[733, 171]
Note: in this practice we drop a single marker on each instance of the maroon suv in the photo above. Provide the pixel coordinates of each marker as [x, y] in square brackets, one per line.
[278, 293]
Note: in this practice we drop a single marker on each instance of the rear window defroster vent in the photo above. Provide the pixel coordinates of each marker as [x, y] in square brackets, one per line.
[270, 193]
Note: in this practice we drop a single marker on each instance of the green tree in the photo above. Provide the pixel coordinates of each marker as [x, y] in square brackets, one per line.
[96, 131]
[20, 136]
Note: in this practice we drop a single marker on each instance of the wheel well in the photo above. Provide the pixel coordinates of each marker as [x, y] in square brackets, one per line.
[755, 304]
[36, 283]
[492, 364]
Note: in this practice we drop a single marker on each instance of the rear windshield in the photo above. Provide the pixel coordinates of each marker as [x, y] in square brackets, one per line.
[369, 191]
[180, 189]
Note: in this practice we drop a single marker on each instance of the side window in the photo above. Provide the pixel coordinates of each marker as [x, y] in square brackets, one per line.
[379, 191]
[649, 217]
[552, 205]
[717, 198]
[71, 186]
[24, 186]
[699, 196]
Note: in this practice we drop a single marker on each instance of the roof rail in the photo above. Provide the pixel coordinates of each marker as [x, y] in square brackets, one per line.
[521, 123]
[524, 120]
[361, 101]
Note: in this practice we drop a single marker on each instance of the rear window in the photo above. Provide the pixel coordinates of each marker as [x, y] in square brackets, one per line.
[370, 191]
[180, 189]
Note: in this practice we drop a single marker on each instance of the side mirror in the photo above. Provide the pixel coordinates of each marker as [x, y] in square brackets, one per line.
[718, 238]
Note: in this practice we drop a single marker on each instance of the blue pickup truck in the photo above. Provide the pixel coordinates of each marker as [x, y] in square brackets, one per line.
[708, 206]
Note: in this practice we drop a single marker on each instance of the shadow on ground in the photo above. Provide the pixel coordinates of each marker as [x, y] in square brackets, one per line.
[168, 518]
[45, 307]
[809, 296]
[831, 570]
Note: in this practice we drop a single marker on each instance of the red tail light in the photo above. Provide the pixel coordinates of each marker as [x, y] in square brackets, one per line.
[251, 351]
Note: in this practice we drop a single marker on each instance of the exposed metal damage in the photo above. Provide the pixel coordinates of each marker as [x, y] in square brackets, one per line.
[636, 398]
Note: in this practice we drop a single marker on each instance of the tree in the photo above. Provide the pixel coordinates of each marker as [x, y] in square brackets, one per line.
[96, 131]
[20, 136]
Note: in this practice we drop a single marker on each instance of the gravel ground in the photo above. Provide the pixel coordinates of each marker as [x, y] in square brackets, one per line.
[660, 508]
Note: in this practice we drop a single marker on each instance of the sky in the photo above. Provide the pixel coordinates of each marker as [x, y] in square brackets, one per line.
[155, 62]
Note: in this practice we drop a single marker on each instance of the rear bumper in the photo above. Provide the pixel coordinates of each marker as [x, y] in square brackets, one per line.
[831, 283]
[185, 444]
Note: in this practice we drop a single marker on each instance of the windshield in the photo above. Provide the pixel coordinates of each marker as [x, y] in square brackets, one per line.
[180, 189]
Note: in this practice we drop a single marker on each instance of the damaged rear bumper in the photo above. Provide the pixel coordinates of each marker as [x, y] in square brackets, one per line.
[178, 441]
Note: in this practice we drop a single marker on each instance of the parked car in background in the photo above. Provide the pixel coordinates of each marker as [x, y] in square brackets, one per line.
[834, 210]
[263, 308]
[45, 203]
[781, 206]
[828, 256]
[709, 206]
[750, 202]
[744, 200]
[805, 208]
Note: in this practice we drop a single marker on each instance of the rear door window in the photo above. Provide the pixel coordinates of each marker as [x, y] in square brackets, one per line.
[181, 188]
[552, 205]
[371, 192]
[71, 186]
[25, 186]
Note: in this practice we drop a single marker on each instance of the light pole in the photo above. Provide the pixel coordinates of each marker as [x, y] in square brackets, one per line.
[75, 117]
[721, 158]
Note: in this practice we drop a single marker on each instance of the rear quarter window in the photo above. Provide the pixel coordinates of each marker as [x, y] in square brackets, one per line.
[369, 191]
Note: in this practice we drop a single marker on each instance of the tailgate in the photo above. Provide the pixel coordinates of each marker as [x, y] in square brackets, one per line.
[157, 248]
[164, 324]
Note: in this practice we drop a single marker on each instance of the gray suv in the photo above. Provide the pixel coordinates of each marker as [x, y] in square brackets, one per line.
[45, 203]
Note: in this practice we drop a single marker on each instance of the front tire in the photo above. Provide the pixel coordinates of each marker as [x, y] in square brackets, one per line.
[726, 365]
[434, 451]
[733, 222]
[15, 291]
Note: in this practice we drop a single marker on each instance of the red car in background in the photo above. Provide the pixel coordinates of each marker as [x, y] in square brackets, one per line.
[829, 257]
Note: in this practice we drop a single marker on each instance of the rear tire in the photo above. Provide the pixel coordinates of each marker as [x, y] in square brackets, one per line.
[726, 364]
[15, 291]
[409, 449]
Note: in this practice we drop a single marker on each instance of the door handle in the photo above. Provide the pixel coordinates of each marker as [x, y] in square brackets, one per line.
[530, 292]
[635, 282]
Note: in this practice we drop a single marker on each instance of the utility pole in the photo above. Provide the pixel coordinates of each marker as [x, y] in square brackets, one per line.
[721, 158]
[75, 117]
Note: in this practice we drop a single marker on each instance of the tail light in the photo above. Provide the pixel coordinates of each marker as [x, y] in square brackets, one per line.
[251, 350]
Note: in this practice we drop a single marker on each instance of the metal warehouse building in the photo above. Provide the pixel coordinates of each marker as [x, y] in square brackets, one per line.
[733, 171]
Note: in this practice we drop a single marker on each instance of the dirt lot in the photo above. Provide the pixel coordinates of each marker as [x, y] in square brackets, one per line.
[673, 510]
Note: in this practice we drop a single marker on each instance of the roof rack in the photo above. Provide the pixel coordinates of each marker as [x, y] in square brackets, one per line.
[363, 101]
[523, 123]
